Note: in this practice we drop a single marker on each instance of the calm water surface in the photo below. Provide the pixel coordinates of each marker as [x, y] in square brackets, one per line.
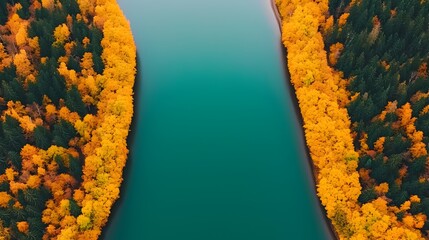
[217, 152]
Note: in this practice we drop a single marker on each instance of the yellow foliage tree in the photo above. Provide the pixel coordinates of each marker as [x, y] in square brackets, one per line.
[4, 199]
[61, 33]
[23, 64]
[49, 4]
[21, 36]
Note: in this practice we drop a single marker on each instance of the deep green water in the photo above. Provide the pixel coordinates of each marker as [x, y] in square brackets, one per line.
[217, 152]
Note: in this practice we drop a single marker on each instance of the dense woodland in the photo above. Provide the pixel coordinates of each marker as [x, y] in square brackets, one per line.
[67, 69]
[360, 73]
[384, 54]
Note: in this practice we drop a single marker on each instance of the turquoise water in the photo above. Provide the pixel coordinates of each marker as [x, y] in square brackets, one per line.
[217, 150]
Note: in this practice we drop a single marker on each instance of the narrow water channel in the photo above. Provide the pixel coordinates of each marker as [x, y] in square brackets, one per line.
[217, 152]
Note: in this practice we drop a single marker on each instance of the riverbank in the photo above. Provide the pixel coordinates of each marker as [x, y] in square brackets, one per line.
[327, 124]
[322, 97]
[107, 150]
[276, 14]
[311, 168]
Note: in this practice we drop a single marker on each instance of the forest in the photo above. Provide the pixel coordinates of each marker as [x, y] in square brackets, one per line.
[67, 70]
[358, 67]
[385, 55]
[360, 73]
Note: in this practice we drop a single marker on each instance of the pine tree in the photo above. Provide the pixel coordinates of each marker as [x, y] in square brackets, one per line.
[75, 168]
[24, 12]
[42, 137]
[13, 134]
[71, 7]
[367, 196]
[3, 12]
[74, 102]
[63, 132]
[75, 210]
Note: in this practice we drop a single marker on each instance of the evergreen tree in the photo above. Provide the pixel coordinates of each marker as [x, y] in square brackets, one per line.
[367, 196]
[42, 137]
[75, 168]
[71, 7]
[75, 210]
[74, 102]
[63, 132]
[13, 134]
[98, 63]
[24, 12]
[3, 12]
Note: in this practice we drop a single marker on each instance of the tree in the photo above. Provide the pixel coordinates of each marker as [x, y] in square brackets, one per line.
[61, 33]
[24, 12]
[48, 4]
[98, 63]
[367, 196]
[22, 226]
[23, 65]
[42, 137]
[75, 168]
[74, 102]
[63, 132]
[3, 12]
[71, 7]
[13, 134]
[75, 210]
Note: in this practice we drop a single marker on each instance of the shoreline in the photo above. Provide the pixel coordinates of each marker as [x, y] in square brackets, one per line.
[310, 166]
[276, 14]
[130, 141]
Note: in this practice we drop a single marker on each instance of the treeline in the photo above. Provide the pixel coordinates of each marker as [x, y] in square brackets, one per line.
[358, 206]
[385, 54]
[66, 105]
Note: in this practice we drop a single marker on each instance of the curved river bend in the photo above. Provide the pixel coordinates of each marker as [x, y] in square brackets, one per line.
[217, 152]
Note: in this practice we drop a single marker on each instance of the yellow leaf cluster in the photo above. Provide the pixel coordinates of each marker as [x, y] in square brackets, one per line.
[22, 63]
[21, 36]
[49, 4]
[17, 111]
[382, 188]
[61, 33]
[4, 199]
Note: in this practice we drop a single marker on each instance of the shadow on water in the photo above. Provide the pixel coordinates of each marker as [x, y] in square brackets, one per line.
[300, 121]
[130, 142]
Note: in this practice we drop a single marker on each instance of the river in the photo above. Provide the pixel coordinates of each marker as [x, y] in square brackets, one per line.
[216, 150]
